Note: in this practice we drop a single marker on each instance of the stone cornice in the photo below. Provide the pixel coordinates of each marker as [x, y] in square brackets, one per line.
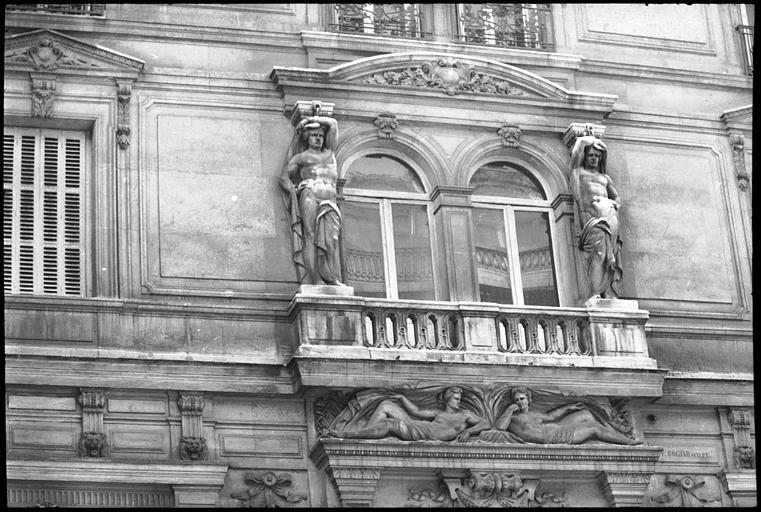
[117, 472]
[331, 41]
[389, 453]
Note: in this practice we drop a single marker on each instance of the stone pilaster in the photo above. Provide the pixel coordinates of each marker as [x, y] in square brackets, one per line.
[624, 489]
[744, 452]
[192, 443]
[356, 486]
[123, 97]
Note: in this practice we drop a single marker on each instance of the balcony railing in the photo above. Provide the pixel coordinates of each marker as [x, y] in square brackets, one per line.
[81, 9]
[511, 25]
[391, 20]
[746, 37]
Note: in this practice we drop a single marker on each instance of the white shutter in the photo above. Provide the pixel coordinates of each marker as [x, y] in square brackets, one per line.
[43, 242]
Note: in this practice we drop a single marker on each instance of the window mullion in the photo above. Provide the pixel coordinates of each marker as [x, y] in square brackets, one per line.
[389, 251]
[513, 256]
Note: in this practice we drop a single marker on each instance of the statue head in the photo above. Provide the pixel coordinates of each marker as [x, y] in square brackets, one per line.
[517, 395]
[453, 394]
[581, 150]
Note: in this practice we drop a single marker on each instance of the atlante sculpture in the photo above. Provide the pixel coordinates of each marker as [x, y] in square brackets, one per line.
[597, 203]
[309, 180]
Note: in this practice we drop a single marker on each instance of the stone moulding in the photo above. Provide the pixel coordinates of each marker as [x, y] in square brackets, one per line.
[440, 74]
[365, 462]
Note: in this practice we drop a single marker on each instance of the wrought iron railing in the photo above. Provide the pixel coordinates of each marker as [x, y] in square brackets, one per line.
[393, 20]
[81, 9]
[525, 26]
[746, 37]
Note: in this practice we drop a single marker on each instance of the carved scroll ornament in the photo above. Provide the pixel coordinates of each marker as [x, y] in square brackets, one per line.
[448, 74]
[268, 490]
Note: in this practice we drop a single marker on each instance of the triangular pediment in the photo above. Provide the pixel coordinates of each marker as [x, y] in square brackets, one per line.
[450, 74]
[53, 52]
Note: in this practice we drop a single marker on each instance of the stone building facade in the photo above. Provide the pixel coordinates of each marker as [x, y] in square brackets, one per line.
[162, 350]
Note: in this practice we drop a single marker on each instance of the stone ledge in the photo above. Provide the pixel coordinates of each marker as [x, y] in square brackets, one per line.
[390, 453]
[117, 472]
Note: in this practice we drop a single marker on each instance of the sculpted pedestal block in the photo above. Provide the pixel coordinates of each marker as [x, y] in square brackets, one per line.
[741, 487]
[618, 327]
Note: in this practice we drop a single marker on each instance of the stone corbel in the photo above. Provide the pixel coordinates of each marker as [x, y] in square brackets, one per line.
[123, 97]
[576, 130]
[92, 442]
[356, 486]
[386, 123]
[43, 94]
[737, 140]
[624, 489]
[744, 452]
[741, 487]
[192, 442]
[511, 135]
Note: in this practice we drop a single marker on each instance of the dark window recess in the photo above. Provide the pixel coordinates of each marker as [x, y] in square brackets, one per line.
[390, 20]
[526, 26]
[80, 9]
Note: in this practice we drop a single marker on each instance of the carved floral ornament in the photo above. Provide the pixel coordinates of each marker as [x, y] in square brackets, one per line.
[448, 74]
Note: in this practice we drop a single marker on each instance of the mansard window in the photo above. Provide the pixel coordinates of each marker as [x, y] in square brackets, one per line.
[43, 211]
[386, 230]
[80, 9]
[516, 25]
[513, 237]
[396, 20]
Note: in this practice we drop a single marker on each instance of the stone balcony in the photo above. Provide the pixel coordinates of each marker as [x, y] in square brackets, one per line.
[343, 340]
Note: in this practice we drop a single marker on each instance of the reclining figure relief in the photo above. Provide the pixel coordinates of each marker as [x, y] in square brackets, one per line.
[502, 414]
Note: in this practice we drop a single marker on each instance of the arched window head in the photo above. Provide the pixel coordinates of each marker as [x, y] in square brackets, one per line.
[501, 179]
[382, 172]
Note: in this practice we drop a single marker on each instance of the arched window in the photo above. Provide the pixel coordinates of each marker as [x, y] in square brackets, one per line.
[513, 237]
[386, 230]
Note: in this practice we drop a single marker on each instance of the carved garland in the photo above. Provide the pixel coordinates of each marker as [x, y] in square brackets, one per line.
[268, 490]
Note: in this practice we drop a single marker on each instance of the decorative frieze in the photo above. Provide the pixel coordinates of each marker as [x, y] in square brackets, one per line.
[192, 442]
[123, 119]
[511, 135]
[386, 123]
[268, 490]
[486, 489]
[93, 441]
[43, 95]
[448, 74]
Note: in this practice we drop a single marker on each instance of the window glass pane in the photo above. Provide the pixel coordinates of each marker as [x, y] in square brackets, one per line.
[363, 249]
[535, 254]
[491, 255]
[412, 244]
[382, 172]
[504, 180]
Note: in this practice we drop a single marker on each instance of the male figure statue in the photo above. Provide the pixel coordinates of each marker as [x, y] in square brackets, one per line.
[597, 203]
[568, 424]
[309, 179]
[445, 424]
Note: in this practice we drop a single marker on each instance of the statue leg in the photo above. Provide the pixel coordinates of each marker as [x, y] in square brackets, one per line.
[308, 206]
[381, 423]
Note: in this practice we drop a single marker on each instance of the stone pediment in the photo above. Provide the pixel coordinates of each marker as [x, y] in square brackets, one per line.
[449, 74]
[48, 51]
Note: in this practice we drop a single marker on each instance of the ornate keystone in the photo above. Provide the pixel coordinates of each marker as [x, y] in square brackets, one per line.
[740, 419]
[92, 441]
[268, 490]
[192, 443]
[386, 123]
[511, 135]
[93, 444]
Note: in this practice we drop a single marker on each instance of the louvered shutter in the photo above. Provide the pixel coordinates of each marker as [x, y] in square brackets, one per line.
[43, 221]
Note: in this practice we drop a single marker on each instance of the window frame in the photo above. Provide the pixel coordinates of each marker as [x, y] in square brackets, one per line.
[86, 209]
[509, 206]
[385, 200]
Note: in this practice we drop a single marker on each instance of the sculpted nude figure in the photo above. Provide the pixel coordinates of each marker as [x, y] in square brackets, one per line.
[569, 424]
[445, 424]
[309, 179]
[597, 203]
